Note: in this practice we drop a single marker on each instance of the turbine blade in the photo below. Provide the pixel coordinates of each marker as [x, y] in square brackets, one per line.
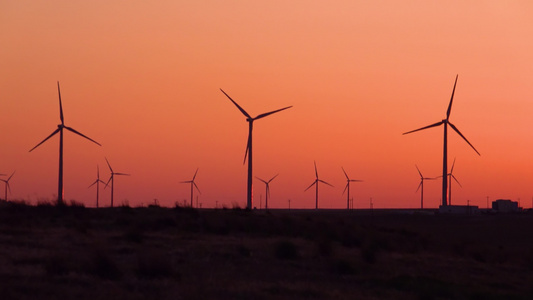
[60, 105]
[194, 183]
[272, 178]
[324, 182]
[261, 179]
[316, 171]
[186, 181]
[429, 126]
[458, 132]
[451, 100]
[457, 181]
[107, 183]
[268, 190]
[123, 174]
[195, 174]
[419, 185]
[93, 184]
[247, 147]
[272, 112]
[110, 169]
[80, 134]
[11, 176]
[51, 135]
[345, 188]
[453, 165]
[345, 173]
[419, 171]
[314, 182]
[240, 108]
[355, 180]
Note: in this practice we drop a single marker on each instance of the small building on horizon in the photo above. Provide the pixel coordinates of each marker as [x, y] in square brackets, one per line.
[505, 206]
[459, 209]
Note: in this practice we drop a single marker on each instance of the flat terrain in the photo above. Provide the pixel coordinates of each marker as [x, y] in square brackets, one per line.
[80, 253]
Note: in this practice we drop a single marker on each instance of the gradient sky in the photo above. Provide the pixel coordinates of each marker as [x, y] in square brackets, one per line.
[143, 78]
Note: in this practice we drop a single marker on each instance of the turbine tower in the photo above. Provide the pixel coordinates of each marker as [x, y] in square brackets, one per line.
[97, 182]
[193, 184]
[6, 182]
[267, 192]
[112, 179]
[248, 151]
[315, 183]
[446, 122]
[348, 180]
[421, 186]
[60, 127]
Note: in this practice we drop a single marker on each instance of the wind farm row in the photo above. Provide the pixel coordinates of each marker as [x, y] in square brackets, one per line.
[446, 176]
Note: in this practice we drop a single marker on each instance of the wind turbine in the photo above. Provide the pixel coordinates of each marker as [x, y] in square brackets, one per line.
[112, 180]
[6, 182]
[97, 182]
[315, 183]
[446, 122]
[193, 184]
[348, 180]
[248, 152]
[267, 192]
[60, 127]
[450, 176]
[421, 186]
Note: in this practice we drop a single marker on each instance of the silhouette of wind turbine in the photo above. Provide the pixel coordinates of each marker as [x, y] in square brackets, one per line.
[112, 179]
[60, 127]
[348, 180]
[315, 183]
[449, 177]
[446, 122]
[6, 182]
[193, 184]
[421, 186]
[97, 182]
[267, 192]
[248, 152]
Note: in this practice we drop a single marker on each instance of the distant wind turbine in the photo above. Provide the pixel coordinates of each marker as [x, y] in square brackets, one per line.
[348, 180]
[449, 177]
[6, 182]
[112, 179]
[193, 184]
[97, 182]
[267, 192]
[446, 122]
[60, 127]
[421, 186]
[248, 152]
[315, 183]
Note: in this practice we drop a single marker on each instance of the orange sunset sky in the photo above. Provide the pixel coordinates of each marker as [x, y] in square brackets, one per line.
[143, 78]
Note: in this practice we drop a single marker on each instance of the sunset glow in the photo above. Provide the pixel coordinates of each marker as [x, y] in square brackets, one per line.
[143, 79]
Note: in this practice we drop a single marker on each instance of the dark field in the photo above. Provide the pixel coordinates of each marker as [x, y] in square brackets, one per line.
[161, 253]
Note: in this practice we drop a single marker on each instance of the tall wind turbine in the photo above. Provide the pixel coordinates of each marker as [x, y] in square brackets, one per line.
[315, 183]
[348, 180]
[446, 122]
[112, 179]
[193, 184]
[267, 192]
[248, 152]
[6, 182]
[97, 182]
[60, 127]
[421, 186]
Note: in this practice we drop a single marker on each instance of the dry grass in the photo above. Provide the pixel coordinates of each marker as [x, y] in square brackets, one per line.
[52, 252]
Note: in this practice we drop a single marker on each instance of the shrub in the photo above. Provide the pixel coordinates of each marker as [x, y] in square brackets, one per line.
[286, 250]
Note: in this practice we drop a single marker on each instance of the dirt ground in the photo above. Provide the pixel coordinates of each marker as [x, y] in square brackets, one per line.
[49, 252]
